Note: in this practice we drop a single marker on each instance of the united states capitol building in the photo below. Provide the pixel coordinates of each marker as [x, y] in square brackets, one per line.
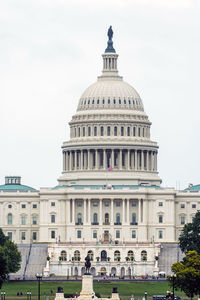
[109, 201]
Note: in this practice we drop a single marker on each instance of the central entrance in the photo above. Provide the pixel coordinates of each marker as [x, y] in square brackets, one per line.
[103, 255]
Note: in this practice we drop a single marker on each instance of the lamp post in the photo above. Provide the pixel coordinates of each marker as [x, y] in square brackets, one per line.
[39, 277]
[3, 295]
[28, 295]
[145, 295]
[173, 286]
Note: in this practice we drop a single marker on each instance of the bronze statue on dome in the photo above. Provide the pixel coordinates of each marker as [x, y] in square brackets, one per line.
[110, 33]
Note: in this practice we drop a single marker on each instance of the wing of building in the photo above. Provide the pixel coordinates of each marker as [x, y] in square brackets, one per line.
[109, 201]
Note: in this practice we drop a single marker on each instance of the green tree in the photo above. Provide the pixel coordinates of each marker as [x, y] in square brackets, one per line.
[190, 235]
[10, 257]
[187, 274]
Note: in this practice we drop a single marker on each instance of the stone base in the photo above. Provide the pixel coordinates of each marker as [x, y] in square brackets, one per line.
[87, 291]
[59, 296]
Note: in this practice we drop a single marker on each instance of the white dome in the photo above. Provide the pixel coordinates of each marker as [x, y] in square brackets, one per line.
[110, 93]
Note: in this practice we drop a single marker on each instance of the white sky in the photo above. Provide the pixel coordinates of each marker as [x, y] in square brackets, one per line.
[51, 51]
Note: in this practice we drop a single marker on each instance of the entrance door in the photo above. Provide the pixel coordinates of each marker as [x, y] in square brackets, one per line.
[103, 255]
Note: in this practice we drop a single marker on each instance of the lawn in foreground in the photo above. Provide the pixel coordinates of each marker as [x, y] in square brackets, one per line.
[125, 289]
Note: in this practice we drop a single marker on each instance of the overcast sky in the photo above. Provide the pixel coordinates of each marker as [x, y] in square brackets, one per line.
[50, 53]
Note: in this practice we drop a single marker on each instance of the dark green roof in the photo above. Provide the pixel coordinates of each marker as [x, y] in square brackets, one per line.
[16, 187]
[193, 188]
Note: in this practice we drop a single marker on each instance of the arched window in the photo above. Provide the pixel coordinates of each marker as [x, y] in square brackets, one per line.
[89, 131]
[130, 255]
[63, 255]
[144, 255]
[103, 101]
[107, 218]
[102, 131]
[122, 131]
[133, 218]
[115, 131]
[83, 131]
[118, 218]
[95, 218]
[128, 131]
[79, 218]
[79, 132]
[95, 131]
[114, 101]
[119, 101]
[124, 101]
[91, 255]
[117, 256]
[108, 101]
[139, 131]
[133, 131]
[103, 255]
[9, 219]
[77, 255]
[93, 101]
[108, 131]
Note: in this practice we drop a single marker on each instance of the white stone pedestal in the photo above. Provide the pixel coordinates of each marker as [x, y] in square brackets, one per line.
[115, 296]
[87, 291]
[59, 296]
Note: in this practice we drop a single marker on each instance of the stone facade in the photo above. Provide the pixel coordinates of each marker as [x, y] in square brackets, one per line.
[109, 199]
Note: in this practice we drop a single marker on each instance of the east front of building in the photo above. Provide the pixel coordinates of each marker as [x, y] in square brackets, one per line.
[109, 202]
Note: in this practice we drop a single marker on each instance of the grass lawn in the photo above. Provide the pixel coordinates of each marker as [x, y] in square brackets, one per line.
[125, 289]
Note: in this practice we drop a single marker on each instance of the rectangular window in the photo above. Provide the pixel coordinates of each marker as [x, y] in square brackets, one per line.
[118, 203]
[106, 203]
[53, 204]
[122, 131]
[34, 205]
[78, 234]
[95, 203]
[182, 205]
[182, 220]
[79, 204]
[53, 218]
[117, 234]
[34, 220]
[160, 219]
[160, 203]
[9, 235]
[34, 236]
[133, 234]
[23, 236]
[23, 220]
[194, 206]
[160, 234]
[23, 205]
[94, 234]
[133, 204]
[53, 234]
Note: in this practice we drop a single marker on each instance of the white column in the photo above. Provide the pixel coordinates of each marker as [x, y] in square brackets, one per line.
[127, 218]
[100, 211]
[66, 160]
[142, 160]
[139, 211]
[155, 161]
[88, 159]
[147, 160]
[96, 159]
[128, 159]
[104, 159]
[64, 165]
[120, 159]
[73, 211]
[123, 211]
[75, 160]
[111, 217]
[112, 158]
[152, 161]
[89, 212]
[81, 160]
[136, 161]
[84, 211]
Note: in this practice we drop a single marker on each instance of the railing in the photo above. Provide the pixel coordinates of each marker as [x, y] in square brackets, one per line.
[134, 223]
[118, 223]
[95, 223]
[78, 223]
